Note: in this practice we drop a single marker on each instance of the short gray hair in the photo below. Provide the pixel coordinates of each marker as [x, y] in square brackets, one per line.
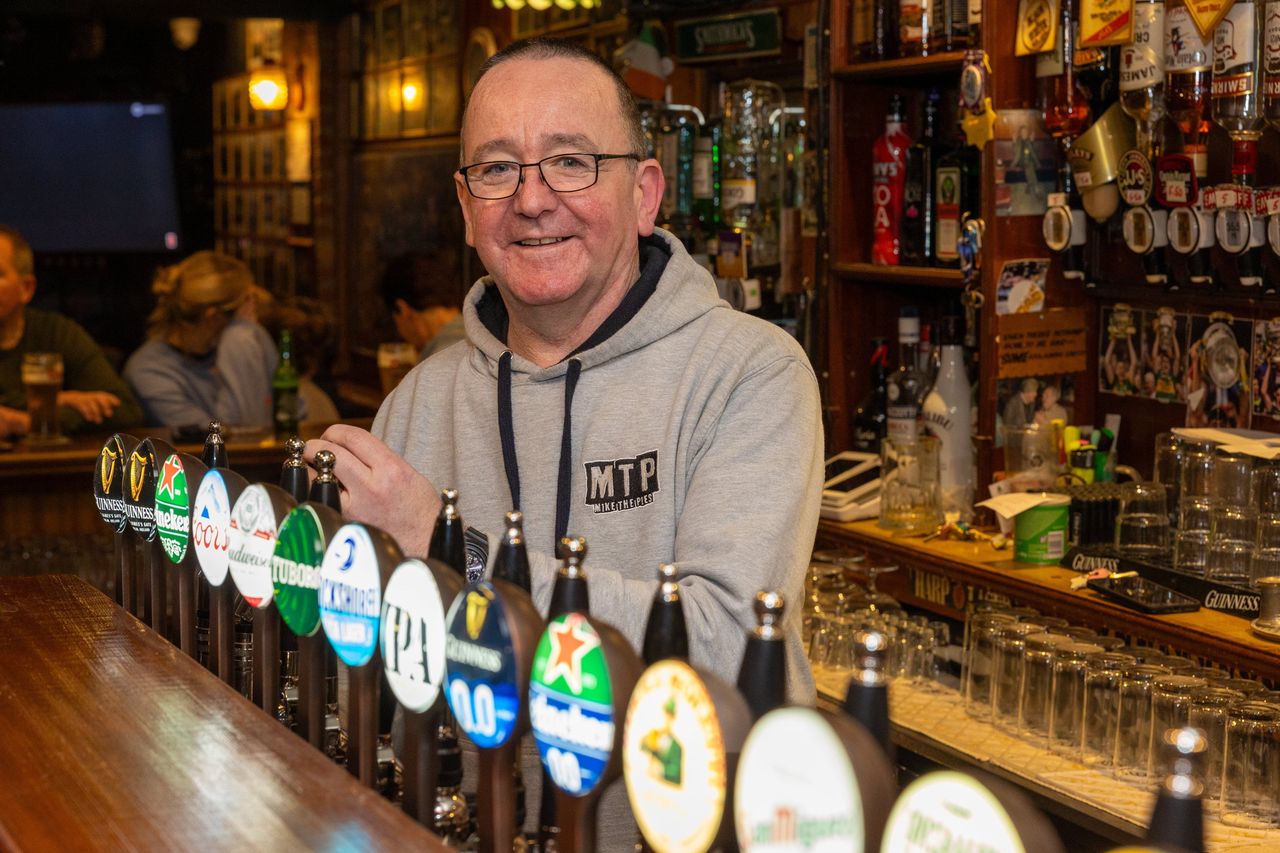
[541, 47]
[24, 260]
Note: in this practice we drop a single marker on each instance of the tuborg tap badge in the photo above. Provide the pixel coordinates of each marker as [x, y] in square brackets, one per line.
[295, 570]
[173, 508]
[482, 690]
[571, 704]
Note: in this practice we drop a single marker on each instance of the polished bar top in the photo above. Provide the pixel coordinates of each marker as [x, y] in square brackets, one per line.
[114, 740]
[1205, 633]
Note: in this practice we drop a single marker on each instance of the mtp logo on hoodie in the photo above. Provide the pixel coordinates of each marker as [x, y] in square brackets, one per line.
[618, 484]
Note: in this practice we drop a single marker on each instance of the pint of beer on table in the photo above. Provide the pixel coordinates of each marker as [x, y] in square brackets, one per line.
[42, 379]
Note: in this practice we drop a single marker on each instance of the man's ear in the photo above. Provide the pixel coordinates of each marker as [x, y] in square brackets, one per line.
[648, 195]
[27, 289]
[464, 202]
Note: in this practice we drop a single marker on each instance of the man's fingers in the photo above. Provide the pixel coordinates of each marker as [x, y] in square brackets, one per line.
[347, 467]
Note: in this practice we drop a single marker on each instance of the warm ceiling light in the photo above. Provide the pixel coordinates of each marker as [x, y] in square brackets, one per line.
[517, 5]
[540, 5]
[409, 92]
[184, 31]
[567, 5]
[268, 88]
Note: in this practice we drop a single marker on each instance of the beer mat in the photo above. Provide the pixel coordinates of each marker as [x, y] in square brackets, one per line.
[939, 716]
[1264, 631]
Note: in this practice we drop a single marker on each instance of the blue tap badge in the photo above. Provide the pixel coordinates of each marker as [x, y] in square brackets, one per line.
[481, 681]
[351, 595]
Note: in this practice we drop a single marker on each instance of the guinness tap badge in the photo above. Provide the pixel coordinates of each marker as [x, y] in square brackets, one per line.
[138, 462]
[107, 461]
[477, 609]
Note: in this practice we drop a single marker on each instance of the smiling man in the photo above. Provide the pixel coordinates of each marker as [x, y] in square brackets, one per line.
[604, 390]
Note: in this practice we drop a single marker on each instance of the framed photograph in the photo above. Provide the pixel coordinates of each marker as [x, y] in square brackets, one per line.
[1266, 367]
[1217, 373]
[262, 41]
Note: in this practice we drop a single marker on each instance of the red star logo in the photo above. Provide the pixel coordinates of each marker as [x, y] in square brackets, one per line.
[171, 470]
[571, 640]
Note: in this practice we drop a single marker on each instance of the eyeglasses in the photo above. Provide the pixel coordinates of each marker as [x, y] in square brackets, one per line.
[563, 173]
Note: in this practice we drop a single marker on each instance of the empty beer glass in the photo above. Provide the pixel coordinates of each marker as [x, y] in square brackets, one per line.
[1171, 699]
[42, 380]
[909, 496]
[1252, 758]
[1208, 712]
[1168, 467]
[978, 662]
[1006, 692]
[1037, 684]
[1066, 704]
[1233, 478]
[1196, 478]
[1130, 758]
[1142, 526]
[1101, 702]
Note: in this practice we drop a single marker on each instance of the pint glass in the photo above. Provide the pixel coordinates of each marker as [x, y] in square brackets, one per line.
[42, 380]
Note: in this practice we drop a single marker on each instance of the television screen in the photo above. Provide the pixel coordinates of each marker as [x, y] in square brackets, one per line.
[89, 177]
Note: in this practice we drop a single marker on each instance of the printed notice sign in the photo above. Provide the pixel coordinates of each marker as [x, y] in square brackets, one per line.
[1041, 344]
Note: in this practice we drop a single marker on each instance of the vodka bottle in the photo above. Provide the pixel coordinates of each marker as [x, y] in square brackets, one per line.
[888, 169]
[946, 415]
[905, 388]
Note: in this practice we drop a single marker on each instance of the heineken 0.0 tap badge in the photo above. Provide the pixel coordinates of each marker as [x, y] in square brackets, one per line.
[571, 704]
[295, 570]
[482, 690]
[252, 540]
[210, 527]
[173, 508]
[351, 595]
[673, 759]
[795, 788]
[413, 636]
[109, 480]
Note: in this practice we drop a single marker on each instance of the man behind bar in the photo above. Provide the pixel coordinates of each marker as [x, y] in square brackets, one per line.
[604, 389]
[93, 396]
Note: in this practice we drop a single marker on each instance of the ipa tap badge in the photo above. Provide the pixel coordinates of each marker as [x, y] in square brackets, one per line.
[413, 636]
[351, 595]
[210, 527]
[295, 570]
[252, 542]
[571, 704]
[109, 479]
[673, 759]
[795, 788]
[173, 508]
[483, 693]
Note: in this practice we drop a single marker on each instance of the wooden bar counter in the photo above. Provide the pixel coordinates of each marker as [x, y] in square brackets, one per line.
[115, 740]
[943, 576]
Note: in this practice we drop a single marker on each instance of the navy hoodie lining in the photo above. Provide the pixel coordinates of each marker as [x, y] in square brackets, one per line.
[493, 314]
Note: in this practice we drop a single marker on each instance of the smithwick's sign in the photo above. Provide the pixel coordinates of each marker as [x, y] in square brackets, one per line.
[729, 36]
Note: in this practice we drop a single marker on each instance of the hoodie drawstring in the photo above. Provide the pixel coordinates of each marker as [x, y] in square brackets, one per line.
[507, 435]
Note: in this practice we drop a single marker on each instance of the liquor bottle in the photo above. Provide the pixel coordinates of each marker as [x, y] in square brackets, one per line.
[926, 358]
[1097, 72]
[1236, 95]
[975, 23]
[1142, 72]
[956, 182]
[885, 26]
[862, 33]
[284, 390]
[867, 697]
[905, 387]
[888, 170]
[676, 148]
[916, 246]
[762, 678]
[951, 26]
[448, 539]
[706, 178]
[916, 24]
[1177, 821]
[870, 421]
[1188, 61]
[1271, 65]
[512, 562]
[665, 632]
[946, 414]
[1065, 104]
[740, 158]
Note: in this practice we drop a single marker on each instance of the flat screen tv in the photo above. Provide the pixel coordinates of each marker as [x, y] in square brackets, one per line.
[89, 177]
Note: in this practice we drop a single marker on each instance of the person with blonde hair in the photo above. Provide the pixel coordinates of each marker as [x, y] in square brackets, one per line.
[206, 357]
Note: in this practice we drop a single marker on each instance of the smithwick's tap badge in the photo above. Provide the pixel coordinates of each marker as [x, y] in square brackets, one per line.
[295, 570]
[413, 636]
[482, 690]
[252, 540]
[673, 759]
[140, 490]
[210, 527]
[947, 810]
[351, 595]
[109, 480]
[795, 788]
[571, 704]
[173, 508]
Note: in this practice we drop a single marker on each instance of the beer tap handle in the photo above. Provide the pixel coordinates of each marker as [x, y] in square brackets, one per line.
[448, 539]
[325, 488]
[294, 475]
[763, 676]
[665, 634]
[215, 448]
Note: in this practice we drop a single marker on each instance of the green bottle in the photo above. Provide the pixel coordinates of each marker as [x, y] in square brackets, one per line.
[284, 390]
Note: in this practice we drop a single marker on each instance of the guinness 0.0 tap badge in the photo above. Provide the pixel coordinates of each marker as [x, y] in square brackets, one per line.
[295, 570]
[140, 490]
[173, 509]
[673, 759]
[482, 690]
[795, 789]
[946, 810]
[109, 480]
[571, 704]
[413, 636]
[252, 540]
[351, 595]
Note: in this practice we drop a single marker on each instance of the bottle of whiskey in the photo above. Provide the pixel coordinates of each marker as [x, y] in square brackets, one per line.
[915, 26]
[1065, 104]
[870, 421]
[918, 189]
[906, 386]
[956, 182]
[888, 170]
[1188, 62]
[885, 26]
[1142, 71]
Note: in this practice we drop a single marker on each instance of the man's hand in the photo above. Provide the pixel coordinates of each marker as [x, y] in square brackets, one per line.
[379, 487]
[13, 422]
[94, 406]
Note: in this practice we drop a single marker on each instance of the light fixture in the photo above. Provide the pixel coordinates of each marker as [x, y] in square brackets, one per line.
[540, 5]
[409, 94]
[268, 87]
[567, 5]
[184, 31]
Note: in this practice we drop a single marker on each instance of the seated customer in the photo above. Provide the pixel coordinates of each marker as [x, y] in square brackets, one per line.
[176, 373]
[93, 395]
[311, 323]
[424, 299]
[247, 358]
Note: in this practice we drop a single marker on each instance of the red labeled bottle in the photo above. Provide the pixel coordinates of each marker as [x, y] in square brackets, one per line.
[888, 177]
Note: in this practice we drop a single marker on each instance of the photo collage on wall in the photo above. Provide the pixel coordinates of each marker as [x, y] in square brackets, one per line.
[1222, 369]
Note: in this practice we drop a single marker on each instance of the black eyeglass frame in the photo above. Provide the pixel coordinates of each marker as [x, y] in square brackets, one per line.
[596, 158]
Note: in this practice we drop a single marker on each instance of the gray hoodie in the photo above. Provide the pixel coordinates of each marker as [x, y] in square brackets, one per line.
[694, 436]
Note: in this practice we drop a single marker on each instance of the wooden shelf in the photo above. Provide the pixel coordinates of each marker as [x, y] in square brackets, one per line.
[912, 66]
[914, 276]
